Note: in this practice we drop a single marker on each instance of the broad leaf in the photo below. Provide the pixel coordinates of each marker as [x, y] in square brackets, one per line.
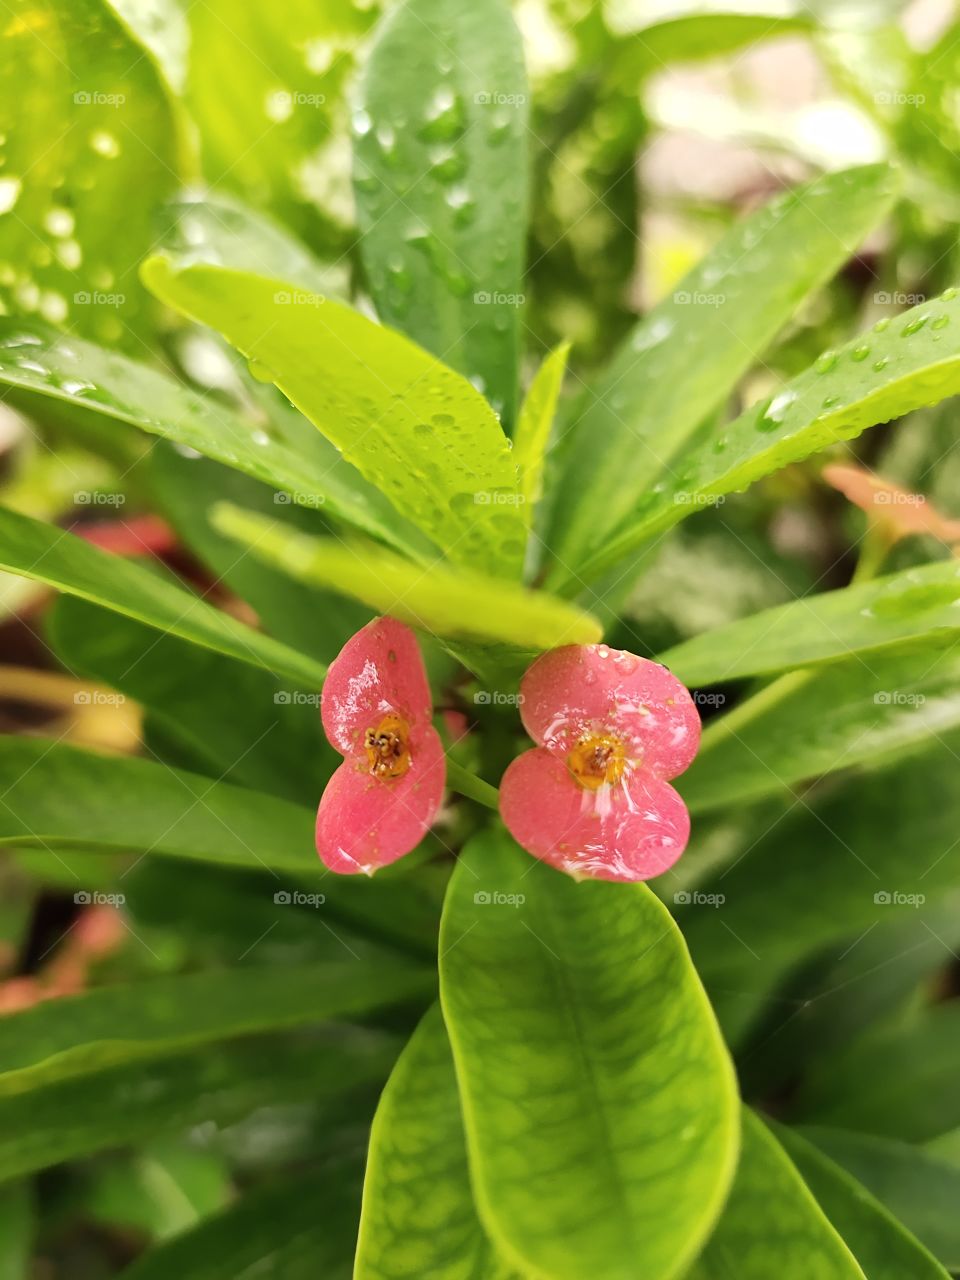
[535, 424]
[238, 723]
[418, 1212]
[128, 1103]
[899, 1082]
[910, 608]
[874, 847]
[772, 1225]
[87, 130]
[411, 426]
[150, 1019]
[883, 1246]
[441, 182]
[917, 1186]
[17, 1227]
[902, 365]
[70, 564]
[588, 1060]
[297, 1228]
[89, 378]
[816, 722]
[440, 599]
[684, 359]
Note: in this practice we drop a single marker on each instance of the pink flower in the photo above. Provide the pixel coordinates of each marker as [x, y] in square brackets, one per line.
[592, 799]
[376, 711]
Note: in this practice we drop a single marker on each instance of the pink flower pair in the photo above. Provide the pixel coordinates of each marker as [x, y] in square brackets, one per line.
[592, 798]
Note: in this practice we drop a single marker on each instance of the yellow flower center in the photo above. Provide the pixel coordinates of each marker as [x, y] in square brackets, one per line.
[388, 747]
[597, 759]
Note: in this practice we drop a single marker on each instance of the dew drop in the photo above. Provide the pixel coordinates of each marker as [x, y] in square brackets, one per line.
[105, 144]
[362, 124]
[10, 189]
[881, 363]
[860, 353]
[826, 362]
[941, 322]
[882, 324]
[914, 325]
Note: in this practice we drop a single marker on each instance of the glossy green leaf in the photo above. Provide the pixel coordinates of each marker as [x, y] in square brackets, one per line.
[131, 1102]
[883, 1246]
[907, 363]
[89, 378]
[587, 1057]
[70, 564]
[411, 426]
[816, 722]
[87, 129]
[908, 609]
[440, 599]
[441, 180]
[876, 846]
[238, 723]
[899, 1082]
[772, 1225]
[418, 1213]
[686, 356]
[298, 1228]
[133, 1022]
[917, 1186]
[535, 424]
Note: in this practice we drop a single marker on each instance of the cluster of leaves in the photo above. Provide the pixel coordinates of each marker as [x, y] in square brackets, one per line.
[567, 1104]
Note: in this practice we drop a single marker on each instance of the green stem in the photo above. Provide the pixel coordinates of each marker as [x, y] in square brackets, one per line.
[468, 784]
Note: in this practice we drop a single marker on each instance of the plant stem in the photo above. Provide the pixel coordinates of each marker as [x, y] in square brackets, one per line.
[468, 784]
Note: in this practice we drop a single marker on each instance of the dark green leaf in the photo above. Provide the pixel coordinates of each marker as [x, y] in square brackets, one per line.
[442, 181]
[588, 1058]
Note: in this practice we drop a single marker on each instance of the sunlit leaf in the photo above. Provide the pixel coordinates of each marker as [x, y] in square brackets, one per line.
[535, 424]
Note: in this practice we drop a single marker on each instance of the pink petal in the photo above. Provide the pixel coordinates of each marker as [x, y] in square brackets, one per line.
[378, 671]
[629, 832]
[366, 822]
[579, 690]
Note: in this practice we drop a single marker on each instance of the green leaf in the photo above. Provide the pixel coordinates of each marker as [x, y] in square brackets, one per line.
[185, 489]
[133, 1101]
[445, 601]
[917, 1186]
[87, 130]
[68, 563]
[883, 1246]
[418, 1212]
[240, 724]
[899, 1082]
[35, 359]
[587, 1056]
[772, 1225]
[880, 845]
[686, 356]
[441, 179]
[904, 365]
[910, 608]
[814, 722]
[411, 426]
[534, 425]
[16, 1231]
[149, 1019]
[299, 1228]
